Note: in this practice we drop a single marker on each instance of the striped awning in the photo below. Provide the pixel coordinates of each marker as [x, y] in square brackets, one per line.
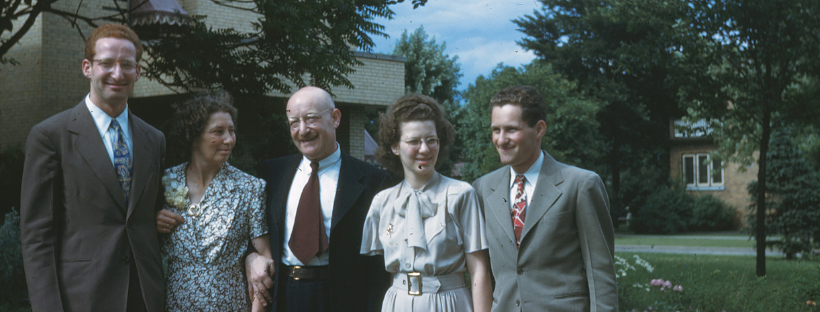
[157, 12]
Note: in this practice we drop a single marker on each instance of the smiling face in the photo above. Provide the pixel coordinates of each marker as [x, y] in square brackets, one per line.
[313, 120]
[417, 148]
[518, 144]
[216, 142]
[111, 82]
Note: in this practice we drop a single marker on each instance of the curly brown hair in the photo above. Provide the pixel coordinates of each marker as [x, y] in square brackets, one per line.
[411, 107]
[192, 116]
[111, 31]
[532, 104]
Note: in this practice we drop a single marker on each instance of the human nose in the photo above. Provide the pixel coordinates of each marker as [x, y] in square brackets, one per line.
[116, 71]
[230, 139]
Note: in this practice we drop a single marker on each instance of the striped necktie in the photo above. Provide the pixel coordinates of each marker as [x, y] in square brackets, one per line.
[519, 208]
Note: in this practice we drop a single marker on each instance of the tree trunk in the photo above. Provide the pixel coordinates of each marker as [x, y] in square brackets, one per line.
[761, 192]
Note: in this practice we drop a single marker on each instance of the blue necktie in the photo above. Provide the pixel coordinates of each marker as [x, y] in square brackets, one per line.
[122, 159]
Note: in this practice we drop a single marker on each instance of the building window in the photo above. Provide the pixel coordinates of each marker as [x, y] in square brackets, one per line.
[701, 173]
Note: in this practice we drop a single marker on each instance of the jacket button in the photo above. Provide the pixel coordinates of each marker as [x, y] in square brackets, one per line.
[520, 271]
[517, 303]
[125, 258]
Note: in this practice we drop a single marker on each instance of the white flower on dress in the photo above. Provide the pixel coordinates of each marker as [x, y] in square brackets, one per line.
[176, 193]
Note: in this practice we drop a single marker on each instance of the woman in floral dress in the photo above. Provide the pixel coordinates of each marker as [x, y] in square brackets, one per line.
[212, 211]
[428, 227]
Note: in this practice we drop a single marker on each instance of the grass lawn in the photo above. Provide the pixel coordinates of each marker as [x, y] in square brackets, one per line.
[718, 283]
[681, 241]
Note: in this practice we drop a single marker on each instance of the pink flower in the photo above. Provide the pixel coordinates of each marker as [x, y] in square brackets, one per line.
[677, 288]
[667, 284]
[656, 282]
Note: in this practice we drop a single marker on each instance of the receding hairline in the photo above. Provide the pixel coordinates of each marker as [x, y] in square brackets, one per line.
[312, 94]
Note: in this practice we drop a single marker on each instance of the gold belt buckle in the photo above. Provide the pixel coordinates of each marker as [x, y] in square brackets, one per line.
[417, 276]
[293, 272]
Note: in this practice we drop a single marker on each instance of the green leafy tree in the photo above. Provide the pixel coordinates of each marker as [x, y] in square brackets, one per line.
[571, 136]
[794, 202]
[615, 60]
[428, 70]
[749, 67]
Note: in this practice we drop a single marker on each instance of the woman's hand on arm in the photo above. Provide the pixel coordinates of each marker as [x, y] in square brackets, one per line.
[167, 220]
[259, 269]
[478, 265]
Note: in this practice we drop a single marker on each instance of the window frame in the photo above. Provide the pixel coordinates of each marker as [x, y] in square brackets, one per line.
[695, 184]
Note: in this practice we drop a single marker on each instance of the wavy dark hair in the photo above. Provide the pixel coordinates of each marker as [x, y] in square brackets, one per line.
[192, 116]
[532, 104]
[411, 107]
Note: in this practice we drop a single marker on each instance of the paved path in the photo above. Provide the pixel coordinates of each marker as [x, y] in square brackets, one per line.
[693, 250]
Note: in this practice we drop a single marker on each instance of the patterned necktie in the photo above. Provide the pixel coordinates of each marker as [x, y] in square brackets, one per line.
[519, 208]
[122, 159]
[308, 237]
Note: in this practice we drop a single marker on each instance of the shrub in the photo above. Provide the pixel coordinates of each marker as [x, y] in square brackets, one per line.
[667, 211]
[12, 278]
[711, 214]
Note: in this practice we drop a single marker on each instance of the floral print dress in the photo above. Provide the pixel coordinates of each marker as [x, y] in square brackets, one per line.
[204, 253]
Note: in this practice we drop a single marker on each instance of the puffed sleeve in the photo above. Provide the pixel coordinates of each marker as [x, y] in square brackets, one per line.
[258, 224]
[467, 213]
[371, 244]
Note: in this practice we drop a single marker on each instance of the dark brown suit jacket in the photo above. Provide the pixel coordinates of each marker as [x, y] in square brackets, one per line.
[78, 236]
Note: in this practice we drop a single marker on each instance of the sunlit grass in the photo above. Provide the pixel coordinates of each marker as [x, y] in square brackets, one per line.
[719, 283]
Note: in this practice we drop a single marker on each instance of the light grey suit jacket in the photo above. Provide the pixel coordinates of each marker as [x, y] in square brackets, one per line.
[78, 236]
[565, 261]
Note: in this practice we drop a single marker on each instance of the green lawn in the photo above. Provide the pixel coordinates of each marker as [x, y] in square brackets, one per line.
[718, 283]
[679, 241]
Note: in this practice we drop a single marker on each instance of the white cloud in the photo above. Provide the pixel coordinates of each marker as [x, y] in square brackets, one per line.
[480, 32]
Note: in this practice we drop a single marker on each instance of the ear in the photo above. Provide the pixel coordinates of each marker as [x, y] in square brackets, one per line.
[395, 149]
[138, 71]
[87, 68]
[540, 129]
[336, 114]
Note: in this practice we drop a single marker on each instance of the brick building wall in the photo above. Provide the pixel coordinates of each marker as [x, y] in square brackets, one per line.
[735, 181]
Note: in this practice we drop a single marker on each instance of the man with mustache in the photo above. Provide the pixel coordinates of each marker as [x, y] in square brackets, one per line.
[90, 190]
[550, 233]
[317, 203]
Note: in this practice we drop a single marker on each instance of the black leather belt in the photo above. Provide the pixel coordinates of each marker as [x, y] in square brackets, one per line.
[307, 272]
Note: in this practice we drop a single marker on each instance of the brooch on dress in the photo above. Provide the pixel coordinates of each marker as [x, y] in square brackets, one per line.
[389, 231]
[195, 210]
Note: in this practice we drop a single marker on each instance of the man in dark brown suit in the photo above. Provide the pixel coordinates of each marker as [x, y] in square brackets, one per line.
[91, 183]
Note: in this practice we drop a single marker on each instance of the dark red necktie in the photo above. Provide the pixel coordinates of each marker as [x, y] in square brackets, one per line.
[308, 238]
[519, 208]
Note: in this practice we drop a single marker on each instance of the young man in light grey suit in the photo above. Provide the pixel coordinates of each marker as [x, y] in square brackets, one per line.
[550, 232]
[91, 187]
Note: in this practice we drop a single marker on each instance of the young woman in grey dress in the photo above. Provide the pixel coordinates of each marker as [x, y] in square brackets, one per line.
[212, 210]
[428, 227]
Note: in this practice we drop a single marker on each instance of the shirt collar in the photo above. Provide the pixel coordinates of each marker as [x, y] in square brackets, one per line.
[328, 161]
[103, 121]
[532, 173]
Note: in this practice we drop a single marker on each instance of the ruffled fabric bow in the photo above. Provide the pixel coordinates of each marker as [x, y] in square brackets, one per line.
[415, 207]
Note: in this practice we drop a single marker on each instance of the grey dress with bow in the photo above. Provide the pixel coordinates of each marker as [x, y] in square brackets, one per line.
[448, 212]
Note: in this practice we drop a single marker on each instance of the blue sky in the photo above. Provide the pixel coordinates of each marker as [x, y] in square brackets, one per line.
[480, 32]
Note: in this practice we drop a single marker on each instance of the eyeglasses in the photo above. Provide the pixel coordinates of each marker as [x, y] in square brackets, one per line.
[109, 64]
[310, 119]
[415, 143]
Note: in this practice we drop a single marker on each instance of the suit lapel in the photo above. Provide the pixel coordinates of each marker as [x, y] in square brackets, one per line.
[545, 193]
[498, 202]
[348, 190]
[89, 144]
[141, 161]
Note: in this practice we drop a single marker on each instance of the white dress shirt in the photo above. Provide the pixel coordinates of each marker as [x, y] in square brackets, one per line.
[532, 179]
[103, 122]
[328, 180]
